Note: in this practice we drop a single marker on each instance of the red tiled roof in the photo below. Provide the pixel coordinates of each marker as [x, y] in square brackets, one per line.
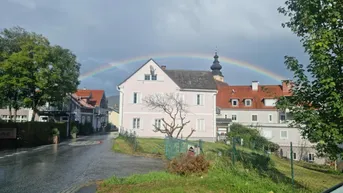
[227, 92]
[94, 97]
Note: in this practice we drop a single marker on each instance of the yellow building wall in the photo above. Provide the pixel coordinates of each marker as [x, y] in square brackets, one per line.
[113, 118]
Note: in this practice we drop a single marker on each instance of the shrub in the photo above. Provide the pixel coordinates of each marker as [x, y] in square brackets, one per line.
[55, 132]
[251, 138]
[187, 165]
[74, 129]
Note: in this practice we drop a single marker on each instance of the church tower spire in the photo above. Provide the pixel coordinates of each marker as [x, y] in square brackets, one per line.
[216, 67]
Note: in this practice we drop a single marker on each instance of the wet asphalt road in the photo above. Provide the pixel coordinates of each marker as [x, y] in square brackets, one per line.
[56, 168]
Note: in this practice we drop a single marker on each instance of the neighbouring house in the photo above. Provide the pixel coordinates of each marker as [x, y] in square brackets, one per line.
[90, 106]
[113, 115]
[255, 106]
[23, 115]
[83, 106]
[196, 88]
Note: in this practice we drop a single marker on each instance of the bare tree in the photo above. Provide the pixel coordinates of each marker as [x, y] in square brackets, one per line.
[175, 108]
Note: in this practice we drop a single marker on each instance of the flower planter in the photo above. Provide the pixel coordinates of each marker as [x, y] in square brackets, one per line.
[73, 135]
[55, 139]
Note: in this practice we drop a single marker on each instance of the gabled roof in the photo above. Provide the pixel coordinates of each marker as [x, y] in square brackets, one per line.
[191, 79]
[94, 97]
[226, 93]
[186, 79]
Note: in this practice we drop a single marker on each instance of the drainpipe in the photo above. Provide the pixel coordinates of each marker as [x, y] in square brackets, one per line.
[121, 97]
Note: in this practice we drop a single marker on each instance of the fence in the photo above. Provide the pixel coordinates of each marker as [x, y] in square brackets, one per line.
[31, 134]
[131, 138]
[174, 147]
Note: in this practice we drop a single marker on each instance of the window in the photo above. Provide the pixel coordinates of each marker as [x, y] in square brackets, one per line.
[83, 119]
[88, 118]
[282, 117]
[234, 117]
[154, 77]
[136, 97]
[147, 77]
[136, 123]
[311, 157]
[267, 134]
[270, 118]
[283, 134]
[294, 156]
[200, 125]
[200, 99]
[158, 123]
[254, 117]
[234, 102]
[225, 116]
[23, 117]
[247, 102]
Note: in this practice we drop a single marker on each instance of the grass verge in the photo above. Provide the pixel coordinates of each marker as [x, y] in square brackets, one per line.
[252, 173]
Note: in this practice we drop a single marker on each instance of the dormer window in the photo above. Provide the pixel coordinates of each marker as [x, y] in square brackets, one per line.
[234, 102]
[247, 102]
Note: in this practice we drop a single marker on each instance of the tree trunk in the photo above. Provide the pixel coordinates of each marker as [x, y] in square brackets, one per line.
[10, 112]
[34, 114]
[15, 115]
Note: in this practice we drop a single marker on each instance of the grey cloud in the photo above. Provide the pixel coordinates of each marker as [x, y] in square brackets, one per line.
[100, 32]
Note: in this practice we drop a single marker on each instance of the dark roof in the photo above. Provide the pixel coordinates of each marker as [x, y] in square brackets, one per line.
[189, 79]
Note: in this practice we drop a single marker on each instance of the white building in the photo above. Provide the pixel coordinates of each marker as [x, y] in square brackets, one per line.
[254, 105]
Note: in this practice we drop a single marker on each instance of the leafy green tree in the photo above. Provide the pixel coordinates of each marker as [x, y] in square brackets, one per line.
[32, 72]
[12, 69]
[317, 101]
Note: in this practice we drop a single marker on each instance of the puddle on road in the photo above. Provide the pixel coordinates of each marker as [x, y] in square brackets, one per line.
[84, 143]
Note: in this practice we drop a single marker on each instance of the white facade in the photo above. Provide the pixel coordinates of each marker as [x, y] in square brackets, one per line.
[273, 125]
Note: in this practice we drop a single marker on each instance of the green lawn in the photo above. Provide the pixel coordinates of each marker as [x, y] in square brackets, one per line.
[253, 172]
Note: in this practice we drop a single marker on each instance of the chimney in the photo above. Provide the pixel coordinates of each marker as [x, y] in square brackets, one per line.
[163, 67]
[254, 85]
[286, 86]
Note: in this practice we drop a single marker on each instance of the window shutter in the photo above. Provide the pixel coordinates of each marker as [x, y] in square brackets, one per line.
[139, 97]
[160, 78]
[141, 126]
[140, 76]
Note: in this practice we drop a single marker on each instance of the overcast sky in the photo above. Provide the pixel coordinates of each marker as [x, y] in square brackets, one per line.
[109, 31]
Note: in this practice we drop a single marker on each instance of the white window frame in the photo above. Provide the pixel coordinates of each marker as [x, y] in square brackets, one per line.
[245, 102]
[138, 98]
[151, 78]
[270, 118]
[281, 134]
[201, 100]
[234, 100]
[312, 156]
[252, 120]
[233, 119]
[158, 123]
[202, 128]
[136, 123]
[225, 116]
[282, 114]
[294, 156]
[147, 75]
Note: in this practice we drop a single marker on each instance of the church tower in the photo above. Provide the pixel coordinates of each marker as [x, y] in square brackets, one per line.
[216, 67]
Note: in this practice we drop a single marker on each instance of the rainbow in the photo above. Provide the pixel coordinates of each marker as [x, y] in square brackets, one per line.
[222, 59]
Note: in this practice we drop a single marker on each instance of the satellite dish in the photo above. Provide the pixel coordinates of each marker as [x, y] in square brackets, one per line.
[152, 70]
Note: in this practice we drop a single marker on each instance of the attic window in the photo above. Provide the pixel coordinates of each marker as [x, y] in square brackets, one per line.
[234, 102]
[247, 102]
[147, 77]
[154, 77]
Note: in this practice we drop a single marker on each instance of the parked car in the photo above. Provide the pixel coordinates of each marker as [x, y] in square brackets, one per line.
[335, 189]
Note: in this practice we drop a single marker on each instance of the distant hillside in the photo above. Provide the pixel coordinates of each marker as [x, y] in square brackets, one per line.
[112, 100]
